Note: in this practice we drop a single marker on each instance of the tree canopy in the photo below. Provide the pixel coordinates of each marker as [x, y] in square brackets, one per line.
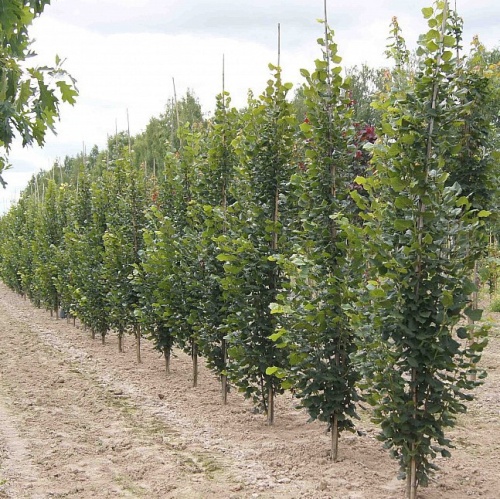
[29, 96]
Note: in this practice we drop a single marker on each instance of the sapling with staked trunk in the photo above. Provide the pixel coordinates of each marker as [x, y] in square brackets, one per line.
[422, 238]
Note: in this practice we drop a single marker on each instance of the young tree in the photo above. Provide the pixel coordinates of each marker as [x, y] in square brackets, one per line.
[47, 246]
[265, 148]
[84, 245]
[315, 327]
[213, 198]
[424, 238]
[125, 220]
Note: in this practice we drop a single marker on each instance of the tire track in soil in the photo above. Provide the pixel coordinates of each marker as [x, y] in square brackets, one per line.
[92, 425]
[16, 467]
[65, 434]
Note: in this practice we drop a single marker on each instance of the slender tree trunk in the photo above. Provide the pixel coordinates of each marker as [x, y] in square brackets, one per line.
[411, 484]
[270, 406]
[411, 475]
[194, 355]
[474, 306]
[166, 354]
[224, 376]
[103, 338]
[120, 342]
[138, 343]
[334, 437]
[93, 333]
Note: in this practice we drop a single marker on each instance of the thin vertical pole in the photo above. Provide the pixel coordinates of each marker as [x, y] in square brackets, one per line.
[279, 44]
[176, 108]
[128, 132]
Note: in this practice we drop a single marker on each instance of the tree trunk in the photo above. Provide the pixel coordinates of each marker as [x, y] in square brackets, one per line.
[138, 343]
[93, 334]
[474, 306]
[194, 354]
[270, 406]
[103, 338]
[411, 474]
[224, 376]
[411, 479]
[166, 353]
[334, 452]
[120, 342]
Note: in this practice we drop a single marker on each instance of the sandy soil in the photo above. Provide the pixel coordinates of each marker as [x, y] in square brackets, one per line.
[80, 420]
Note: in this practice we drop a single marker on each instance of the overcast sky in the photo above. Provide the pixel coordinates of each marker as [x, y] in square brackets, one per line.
[124, 54]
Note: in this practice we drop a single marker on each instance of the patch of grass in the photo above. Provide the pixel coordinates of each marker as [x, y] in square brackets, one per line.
[200, 463]
[128, 486]
[211, 467]
[495, 305]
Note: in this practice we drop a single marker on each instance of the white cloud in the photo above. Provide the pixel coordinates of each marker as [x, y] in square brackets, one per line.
[124, 54]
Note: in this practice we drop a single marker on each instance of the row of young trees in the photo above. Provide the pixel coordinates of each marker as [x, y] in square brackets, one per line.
[308, 253]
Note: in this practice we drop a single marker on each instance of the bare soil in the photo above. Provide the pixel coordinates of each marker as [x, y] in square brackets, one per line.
[80, 420]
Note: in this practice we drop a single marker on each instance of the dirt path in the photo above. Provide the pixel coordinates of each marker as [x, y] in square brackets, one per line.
[79, 420]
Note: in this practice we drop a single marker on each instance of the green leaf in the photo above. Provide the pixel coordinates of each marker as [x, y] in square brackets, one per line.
[449, 41]
[427, 12]
[447, 299]
[277, 308]
[68, 93]
[387, 129]
[305, 127]
[412, 362]
[484, 214]
[277, 335]
[397, 184]
[271, 370]
[402, 225]
[224, 257]
[432, 46]
[427, 239]
[407, 138]
[474, 314]
[447, 55]
[377, 293]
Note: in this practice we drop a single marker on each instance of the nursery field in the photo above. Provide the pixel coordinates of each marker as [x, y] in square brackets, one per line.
[80, 420]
